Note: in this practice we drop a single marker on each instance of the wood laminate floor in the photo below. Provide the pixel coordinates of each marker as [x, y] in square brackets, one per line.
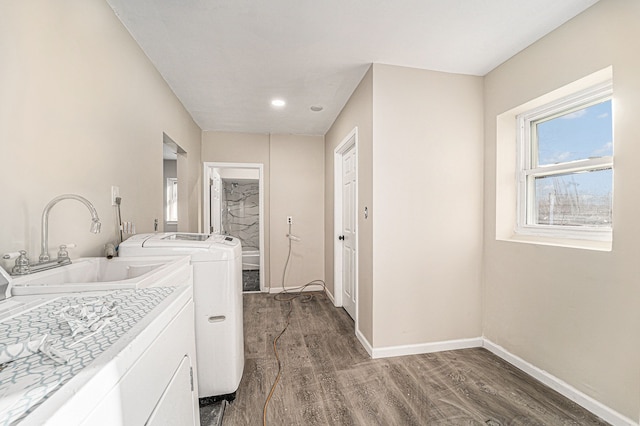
[328, 378]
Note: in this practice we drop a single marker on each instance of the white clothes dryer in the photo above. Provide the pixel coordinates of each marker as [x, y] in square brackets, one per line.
[217, 295]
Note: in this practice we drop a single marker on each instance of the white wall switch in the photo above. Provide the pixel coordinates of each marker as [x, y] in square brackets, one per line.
[115, 192]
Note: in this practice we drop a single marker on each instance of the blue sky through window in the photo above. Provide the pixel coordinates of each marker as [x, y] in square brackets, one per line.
[578, 135]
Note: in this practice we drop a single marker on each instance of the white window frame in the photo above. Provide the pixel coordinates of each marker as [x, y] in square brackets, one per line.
[528, 170]
[172, 200]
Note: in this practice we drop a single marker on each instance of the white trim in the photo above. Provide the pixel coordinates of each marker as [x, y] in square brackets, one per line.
[365, 343]
[206, 196]
[208, 166]
[574, 101]
[528, 169]
[560, 386]
[311, 287]
[342, 147]
[171, 197]
[425, 348]
[330, 296]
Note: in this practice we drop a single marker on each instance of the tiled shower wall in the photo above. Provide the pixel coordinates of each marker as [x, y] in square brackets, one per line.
[241, 211]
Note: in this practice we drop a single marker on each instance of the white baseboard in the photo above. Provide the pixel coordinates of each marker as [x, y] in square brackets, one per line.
[544, 377]
[561, 387]
[365, 343]
[425, 348]
[312, 287]
[330, 296]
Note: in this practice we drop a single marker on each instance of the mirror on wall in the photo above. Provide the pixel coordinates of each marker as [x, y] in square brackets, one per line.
[170, 152]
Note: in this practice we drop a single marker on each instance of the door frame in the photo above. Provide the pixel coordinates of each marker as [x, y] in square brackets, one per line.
[351, 140]
[206, 202]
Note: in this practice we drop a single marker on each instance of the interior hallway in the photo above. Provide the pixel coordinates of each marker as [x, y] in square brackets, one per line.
[328, 378]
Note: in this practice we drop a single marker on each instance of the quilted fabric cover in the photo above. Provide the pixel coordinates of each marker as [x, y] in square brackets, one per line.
[28, 381]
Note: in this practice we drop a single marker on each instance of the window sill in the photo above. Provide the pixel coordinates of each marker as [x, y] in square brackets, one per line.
[559, 242]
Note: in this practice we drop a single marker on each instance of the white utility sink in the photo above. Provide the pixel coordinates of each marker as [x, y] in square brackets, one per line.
[99, 273]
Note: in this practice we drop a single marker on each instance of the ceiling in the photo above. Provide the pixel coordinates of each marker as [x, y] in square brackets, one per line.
[226, 60]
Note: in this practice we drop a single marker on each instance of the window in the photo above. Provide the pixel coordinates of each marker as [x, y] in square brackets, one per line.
[565, 173]
[172, 199]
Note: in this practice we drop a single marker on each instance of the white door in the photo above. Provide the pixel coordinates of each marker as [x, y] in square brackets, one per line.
[216, 204]
[348, 232]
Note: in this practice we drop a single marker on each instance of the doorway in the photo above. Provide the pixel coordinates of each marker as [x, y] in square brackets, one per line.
[234, 205]
[346, 224]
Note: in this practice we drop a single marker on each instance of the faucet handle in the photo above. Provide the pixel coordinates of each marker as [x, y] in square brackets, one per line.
[22, 264]
[12, 255]
[63, 253]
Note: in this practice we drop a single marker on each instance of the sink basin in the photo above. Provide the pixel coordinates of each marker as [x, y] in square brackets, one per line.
[99, 273]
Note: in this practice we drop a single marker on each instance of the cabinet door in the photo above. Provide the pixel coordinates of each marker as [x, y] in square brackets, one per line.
[175, 406]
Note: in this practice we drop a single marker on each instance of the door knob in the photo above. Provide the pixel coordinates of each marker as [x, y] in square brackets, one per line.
[341, 237]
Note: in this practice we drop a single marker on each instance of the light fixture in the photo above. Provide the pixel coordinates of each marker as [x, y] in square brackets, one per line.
[316, 108]
[278, 103]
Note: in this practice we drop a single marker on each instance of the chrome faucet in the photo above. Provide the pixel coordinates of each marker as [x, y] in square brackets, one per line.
[95, 221]
[23, 266]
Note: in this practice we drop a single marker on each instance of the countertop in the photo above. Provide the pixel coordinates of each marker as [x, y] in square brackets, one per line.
[35, 389]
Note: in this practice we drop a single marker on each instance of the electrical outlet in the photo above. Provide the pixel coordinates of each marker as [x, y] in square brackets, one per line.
[115, 192]
[289, 220]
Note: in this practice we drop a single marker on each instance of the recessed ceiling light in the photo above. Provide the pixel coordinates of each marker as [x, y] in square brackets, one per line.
[278, 103]
[316, 108]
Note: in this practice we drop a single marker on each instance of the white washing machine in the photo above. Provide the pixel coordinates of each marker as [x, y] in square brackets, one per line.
[217, 294]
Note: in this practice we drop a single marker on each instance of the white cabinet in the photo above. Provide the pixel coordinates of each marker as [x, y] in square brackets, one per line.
[148, 376]
[160, 369]
[175, 406]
